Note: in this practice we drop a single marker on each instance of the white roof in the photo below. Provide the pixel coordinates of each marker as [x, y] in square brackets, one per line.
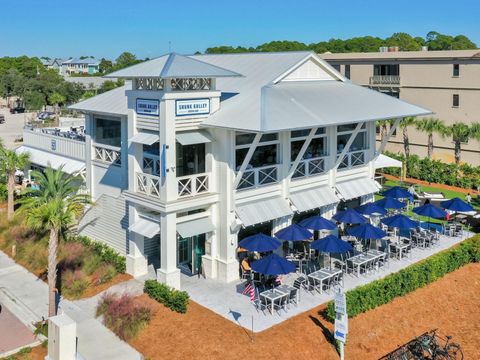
[355, 188]
[195, 227]
[173, 66]
[308, 199]
[259, 211]
[145, 227]
[110, 102]
[145, 138]
[384, 161]
[193, 137]
[45, 159]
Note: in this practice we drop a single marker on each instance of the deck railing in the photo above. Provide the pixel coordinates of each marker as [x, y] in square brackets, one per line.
[192, 185]
[107, 154]
[387, 80]
[148, 184]
[353, 159]
[259, 176]
[309, 167]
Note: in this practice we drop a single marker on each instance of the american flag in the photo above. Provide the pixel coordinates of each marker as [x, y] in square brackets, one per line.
[249, 289]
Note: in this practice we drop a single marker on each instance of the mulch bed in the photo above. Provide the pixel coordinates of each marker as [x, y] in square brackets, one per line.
[450, 304]
[426, 183]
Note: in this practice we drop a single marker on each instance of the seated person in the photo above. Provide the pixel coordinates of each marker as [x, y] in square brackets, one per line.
[245, 265]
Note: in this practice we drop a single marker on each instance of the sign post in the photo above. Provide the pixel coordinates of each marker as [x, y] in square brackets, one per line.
[341, 321]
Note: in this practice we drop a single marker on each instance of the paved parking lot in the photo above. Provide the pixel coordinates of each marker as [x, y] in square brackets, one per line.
[12, 128]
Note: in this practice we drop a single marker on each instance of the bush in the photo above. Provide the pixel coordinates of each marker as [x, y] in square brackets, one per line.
[3, 192]
[74, 283]
[123, 315]
[379, 292]
[175, 300]
[106, 253]
[103, 274]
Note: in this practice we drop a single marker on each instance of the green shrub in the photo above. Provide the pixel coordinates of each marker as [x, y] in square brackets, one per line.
[379, 292]
[175, 300]
[74, 283]
[3, 192]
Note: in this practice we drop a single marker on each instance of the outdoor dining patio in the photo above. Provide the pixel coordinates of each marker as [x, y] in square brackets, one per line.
[356, 247]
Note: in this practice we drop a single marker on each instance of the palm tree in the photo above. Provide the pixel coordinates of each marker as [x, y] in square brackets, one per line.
[431, 126]
[408, 121]
[461, 133]
[10, 161]
[383, 127]
[56, 208]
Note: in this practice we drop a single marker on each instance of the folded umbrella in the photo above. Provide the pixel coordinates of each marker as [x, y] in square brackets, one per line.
[294, 232]
[318, 223]
[273, 265]
[260, 242]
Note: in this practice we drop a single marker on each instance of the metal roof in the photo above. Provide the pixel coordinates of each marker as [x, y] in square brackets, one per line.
[88, 61]
[313, 198]
[195, 227]
[110, 102]
[145, 138]
[193, 137]
[396, 55]
[259, 211]
[45, 159]
[173, 66]
[146, 227]
[352, 189]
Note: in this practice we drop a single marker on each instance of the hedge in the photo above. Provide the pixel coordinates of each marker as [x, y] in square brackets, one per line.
[105, 252]
[175, 300]
[379, 292]
[435, 171]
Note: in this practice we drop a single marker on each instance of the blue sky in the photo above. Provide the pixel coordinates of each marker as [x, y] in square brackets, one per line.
[105, 28]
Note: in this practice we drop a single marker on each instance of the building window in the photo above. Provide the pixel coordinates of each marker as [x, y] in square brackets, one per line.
[265, 154]
[108, 132]
[347, 71]
[343, 135]
[456, 70]
[456, 100]
[336, 67]
[393, 69]
[316, 148]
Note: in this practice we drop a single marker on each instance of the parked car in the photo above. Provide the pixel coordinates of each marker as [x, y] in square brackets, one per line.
[45, 115]
[17, 110]
[2, 119]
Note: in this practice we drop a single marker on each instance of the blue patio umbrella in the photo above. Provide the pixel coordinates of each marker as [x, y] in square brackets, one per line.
[350, 216]
[294, 232]
[400, 221]
[367, 231]
[456, 204]
[397, 192]
[331, 244]
[430, 211]
[260, 242]
[318, 223]
[390, 203]
[371, 208]
[273, 265]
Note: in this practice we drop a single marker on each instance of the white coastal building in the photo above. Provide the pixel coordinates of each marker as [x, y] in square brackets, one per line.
[196, 152]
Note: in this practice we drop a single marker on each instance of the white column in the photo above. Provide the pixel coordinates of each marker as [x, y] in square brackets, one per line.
[137, 264]
[168, 190]
[88, 154]
[168, 272]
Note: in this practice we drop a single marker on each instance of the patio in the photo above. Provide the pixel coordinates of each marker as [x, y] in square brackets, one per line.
[227, 300]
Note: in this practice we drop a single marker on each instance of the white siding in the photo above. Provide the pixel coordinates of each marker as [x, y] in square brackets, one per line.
[310, 70]
[107, 221]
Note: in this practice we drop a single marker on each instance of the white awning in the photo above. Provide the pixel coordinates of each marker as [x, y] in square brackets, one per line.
[195, 227]
[314, 198]
[193, 137]
[45, 159]
[146, 227]
[356, 188]
[384, 161]
[145, 138]
[263, 210]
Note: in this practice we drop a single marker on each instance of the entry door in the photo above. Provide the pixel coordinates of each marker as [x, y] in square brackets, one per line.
[198, 250]
[184, 251]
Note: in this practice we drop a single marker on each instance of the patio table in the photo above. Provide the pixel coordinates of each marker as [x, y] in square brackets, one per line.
[322, 275]
[272, 296]
[287, 289]
[401, 248]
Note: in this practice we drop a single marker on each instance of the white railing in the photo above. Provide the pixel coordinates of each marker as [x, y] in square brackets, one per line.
[148, 184]
[309, 167]
[385, 80]
[55, 144]
[151, 164]
[259, 176]
[192, 185]
[107, 154]
[353, 159]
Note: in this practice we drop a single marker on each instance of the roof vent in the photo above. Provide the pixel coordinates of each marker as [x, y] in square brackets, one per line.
[424, 48]
[383, 49]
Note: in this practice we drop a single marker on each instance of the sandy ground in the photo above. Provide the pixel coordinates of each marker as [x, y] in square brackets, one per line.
[451, 304]
[12, 128]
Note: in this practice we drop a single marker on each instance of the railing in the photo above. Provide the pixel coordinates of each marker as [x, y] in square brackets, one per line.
[192, 185]
[309, 167]
[107, 154]
[55, 144]
[259, 176]
[353, 159]
[148, 184]
[385, 80]
[151, 164]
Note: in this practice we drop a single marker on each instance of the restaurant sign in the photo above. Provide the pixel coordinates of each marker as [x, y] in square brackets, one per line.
[147, 107]
[192, 107]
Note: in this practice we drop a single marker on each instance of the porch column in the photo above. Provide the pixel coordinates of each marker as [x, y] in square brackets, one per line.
[136, 261]
[168, 272]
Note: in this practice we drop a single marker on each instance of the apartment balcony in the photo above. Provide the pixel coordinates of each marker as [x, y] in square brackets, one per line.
[385, 80]
[107, 154]
[353, 159]
[259, 176]
[309, 167]
[189, 185]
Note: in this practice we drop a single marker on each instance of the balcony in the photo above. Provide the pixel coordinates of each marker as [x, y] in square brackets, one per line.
[259, 176]
[107, 154]
[190, 185]
[353, 159]
[309, 167]
[385, 80]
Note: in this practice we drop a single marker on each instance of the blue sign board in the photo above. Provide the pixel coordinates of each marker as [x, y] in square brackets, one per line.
[148, 107]
[53, 145]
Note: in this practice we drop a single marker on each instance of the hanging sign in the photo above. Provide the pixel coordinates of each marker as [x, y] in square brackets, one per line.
[147, 107]
[192, 107]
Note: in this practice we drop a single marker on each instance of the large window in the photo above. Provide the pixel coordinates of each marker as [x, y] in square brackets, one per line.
[317, 147]
[386, 69]
[190, 159]
[343, 135]
[265, 154]
[108, 132]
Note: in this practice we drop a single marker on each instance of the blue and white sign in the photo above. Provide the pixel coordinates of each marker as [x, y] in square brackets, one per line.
[192, 107]
[53, 145]
[341, 319]
[148, 107]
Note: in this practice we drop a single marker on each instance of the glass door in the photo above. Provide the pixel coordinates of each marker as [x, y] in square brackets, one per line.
[198, 247]
[184, 252]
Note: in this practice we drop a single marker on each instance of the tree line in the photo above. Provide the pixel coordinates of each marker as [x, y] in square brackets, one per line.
[405, 42]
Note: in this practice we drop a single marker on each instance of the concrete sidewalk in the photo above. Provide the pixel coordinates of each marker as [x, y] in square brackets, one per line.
[26, 297]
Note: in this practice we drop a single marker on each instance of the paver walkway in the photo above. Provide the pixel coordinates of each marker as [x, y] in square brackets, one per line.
[26, 297]
[13, 333]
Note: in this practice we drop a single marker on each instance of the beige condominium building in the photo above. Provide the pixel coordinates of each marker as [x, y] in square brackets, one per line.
[447, 82]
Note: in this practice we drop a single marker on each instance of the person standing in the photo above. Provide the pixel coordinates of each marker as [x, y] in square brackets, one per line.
[468, 198]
